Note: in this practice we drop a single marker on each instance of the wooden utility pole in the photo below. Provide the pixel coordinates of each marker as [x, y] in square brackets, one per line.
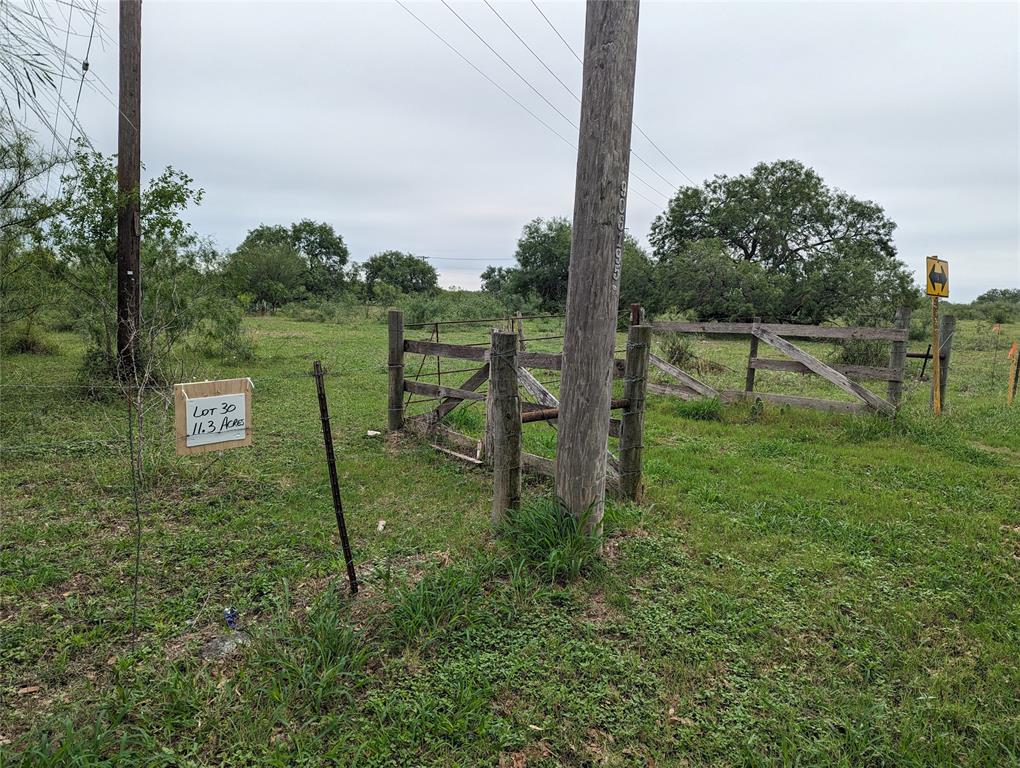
[596, 251]
[129, 293]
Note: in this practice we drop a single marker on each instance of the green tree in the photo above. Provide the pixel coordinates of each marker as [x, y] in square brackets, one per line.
[30, 277]
[543, 263]
[325, 253]
[319, 246]
[270, 273]
[404, 271]
[832, 253]
[178, 292]
[703, 279]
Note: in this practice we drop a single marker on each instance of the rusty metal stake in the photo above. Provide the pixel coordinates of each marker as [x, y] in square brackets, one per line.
[338, 507]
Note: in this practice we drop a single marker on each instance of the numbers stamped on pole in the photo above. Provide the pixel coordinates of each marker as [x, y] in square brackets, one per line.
[937, 277]
[212, 415]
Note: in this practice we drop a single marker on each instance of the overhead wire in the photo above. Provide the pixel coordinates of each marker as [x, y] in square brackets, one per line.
[471, 64]
[60, 95]
[81, 85]
[542, 96]
[640, 130]
[513, 98]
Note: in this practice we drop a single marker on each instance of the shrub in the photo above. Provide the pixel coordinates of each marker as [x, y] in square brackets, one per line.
[449, 305]
[920, 326]
[544, 534]
[861, 352]
[678, 349]
[26, 339]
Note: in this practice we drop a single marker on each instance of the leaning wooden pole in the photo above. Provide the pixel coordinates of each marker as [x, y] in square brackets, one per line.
[596, 251]
[632, 428]
[395, 413]
[505, 414]
[129, 163]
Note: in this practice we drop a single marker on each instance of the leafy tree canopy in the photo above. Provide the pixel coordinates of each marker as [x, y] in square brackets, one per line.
[267, 271]
[319, 246]
[404, 271]
[543, 263]
[831, 254]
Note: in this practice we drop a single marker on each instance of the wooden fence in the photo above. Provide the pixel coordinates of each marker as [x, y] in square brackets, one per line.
[506, 366]
[777, 336]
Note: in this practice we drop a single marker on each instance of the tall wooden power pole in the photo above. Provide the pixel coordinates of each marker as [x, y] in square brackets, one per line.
[596, 252]
[128, 178]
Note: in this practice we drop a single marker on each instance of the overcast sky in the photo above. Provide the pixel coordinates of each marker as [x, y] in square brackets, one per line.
[355, 114]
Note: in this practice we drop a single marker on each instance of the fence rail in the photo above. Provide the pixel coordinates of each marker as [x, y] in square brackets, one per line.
[777, 336]
[506, 412]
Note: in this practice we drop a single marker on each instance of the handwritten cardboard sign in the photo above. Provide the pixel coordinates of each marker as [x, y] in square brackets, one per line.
[212, 415]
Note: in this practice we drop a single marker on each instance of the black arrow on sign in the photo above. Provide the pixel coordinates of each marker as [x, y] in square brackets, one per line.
[936, 278]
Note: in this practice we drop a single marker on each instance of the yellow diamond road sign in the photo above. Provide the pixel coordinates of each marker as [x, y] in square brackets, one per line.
[937, 271]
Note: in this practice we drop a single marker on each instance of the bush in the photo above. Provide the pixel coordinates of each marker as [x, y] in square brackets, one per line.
[920, 327]
[678, 349]
[449, 305]
[861, 352]
[544, 534]
[26, 339]
[221, 334]
[335, 310]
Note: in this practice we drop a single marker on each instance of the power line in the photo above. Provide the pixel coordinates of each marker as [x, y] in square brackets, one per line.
[85, 64]
[566, 87]
[471, 64]
[547, 101]
[517, 101]
[60, 95]
[509, 66]
[81, 84]
[530, 50]
[553, 28]
[640, 130]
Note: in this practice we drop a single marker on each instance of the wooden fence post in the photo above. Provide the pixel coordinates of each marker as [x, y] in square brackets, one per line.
[632, 429]
[506, 425]
[1014, 374]
[752, 356]
[947, 328]
[898, 357]
[395, 414]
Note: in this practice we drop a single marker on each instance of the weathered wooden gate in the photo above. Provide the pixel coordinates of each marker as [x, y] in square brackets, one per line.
[623, 473]
[777, 336]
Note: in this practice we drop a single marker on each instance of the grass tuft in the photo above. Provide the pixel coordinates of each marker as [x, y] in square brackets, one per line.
[545, 535]
[700, 409]
[443, 599]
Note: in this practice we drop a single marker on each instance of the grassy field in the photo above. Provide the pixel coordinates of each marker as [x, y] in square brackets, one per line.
[797, 589]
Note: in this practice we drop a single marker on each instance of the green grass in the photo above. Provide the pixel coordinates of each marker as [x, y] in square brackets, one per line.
[797, 588]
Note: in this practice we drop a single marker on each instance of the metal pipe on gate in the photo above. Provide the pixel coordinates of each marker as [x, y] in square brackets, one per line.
[548, 414]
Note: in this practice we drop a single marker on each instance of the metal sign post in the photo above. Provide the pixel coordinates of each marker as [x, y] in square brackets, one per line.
[937, 286]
